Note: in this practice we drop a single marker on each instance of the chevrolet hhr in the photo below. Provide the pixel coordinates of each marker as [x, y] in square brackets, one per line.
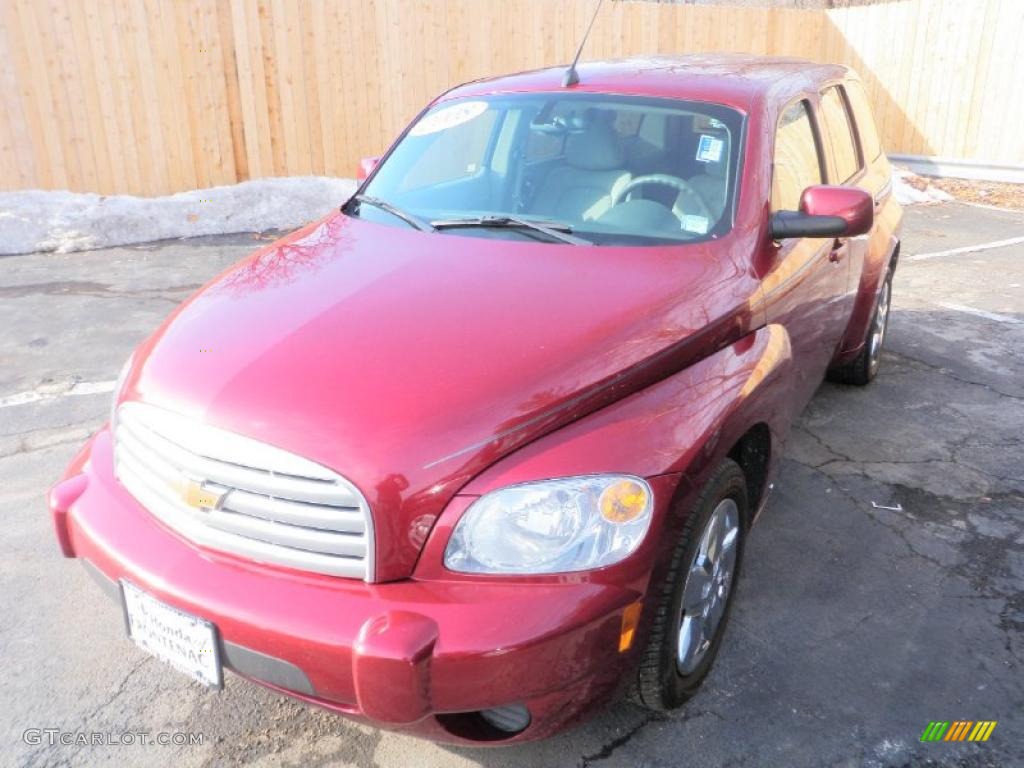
[481, 450]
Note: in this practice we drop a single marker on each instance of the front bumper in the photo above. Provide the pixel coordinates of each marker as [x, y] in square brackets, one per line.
[425, 656]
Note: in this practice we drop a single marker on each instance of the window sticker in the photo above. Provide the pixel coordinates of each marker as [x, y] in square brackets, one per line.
[709, 149]
[695, 224]
[449, 117]
[703, 123]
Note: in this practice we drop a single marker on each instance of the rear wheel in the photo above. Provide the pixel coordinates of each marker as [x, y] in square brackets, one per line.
[695, 599]
[863, 369]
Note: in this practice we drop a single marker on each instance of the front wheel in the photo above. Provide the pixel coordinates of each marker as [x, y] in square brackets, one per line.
[863, 369]
[696, 596]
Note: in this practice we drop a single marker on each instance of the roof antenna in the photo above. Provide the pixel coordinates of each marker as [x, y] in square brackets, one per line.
[571, 76]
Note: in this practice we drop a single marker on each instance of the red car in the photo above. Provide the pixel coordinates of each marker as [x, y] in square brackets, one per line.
[483, 448]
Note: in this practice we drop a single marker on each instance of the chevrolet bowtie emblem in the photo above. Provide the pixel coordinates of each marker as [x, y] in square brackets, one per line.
[198, 496]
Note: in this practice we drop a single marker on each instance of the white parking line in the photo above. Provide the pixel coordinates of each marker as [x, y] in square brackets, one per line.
[78, 388]
[967, 249]
[981, 313]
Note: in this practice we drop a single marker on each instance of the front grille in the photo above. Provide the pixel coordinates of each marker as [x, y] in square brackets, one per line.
[238, 495]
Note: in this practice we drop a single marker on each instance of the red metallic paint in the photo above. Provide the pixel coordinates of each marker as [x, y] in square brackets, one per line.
[431, 368]
[851, 204]
[409, 410]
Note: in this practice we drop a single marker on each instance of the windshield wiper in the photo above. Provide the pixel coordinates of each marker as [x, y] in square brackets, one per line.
[394, 210]
[555, 230]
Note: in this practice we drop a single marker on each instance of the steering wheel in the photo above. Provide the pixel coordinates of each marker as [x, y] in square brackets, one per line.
[695, 203]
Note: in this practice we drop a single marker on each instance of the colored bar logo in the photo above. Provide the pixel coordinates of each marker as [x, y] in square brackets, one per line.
[959, 730]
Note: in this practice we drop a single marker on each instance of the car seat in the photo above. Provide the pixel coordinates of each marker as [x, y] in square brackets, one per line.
[585, 184]
[711, 186]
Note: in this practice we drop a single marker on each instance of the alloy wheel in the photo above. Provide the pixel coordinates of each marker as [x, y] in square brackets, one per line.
[707, 586]
[879, 326]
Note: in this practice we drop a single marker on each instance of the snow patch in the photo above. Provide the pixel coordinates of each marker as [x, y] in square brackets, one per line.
[911, 189]
[36, 220]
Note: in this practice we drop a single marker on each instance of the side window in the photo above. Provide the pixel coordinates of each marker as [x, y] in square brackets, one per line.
[869, 141]
[844, 161]
[795, 165]
[452, 154]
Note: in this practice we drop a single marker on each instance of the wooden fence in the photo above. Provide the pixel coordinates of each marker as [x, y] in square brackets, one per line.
[156, 96]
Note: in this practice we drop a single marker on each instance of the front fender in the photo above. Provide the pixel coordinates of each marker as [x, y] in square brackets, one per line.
[684, 424]
[674, 433]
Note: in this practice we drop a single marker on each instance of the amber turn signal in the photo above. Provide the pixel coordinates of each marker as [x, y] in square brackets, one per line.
[630, 619]
[624, 501]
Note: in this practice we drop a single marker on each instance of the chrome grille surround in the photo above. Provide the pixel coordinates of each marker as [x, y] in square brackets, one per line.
[235, 494]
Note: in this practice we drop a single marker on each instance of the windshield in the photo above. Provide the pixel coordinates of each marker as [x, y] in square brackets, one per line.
[608, 169]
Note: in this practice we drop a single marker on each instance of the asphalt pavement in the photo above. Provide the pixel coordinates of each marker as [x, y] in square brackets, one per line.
[883, 587]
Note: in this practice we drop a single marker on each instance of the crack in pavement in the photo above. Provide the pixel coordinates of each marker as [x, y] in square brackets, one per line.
[943, 371]
[983, 557]
[608, 749]
[45, 754]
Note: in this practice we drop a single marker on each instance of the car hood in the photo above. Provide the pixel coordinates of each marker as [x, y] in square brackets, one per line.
[410, 361]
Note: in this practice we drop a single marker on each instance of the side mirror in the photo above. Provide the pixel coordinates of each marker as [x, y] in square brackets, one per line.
[826, 211]
[366, 166]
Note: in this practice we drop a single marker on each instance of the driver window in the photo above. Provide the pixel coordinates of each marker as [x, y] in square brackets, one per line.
[796, 164]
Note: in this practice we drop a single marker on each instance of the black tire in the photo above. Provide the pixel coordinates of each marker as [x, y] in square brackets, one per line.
[863, 369]
[659, 685]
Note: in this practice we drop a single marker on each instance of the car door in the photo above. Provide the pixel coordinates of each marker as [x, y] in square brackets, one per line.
[807, 283]
[869, 258]
[846, 167]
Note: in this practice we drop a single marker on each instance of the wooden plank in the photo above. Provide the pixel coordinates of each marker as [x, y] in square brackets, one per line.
[105, 104]
[981, 71]
[324, 81]
[287, 93]
[231, 89]
[153, 118]
[305, 22]
[189, 44]
[70, 100]
[253, 87]
[38, 88]
[85, 62]
[166, 98]
[215, 95]
[273, 85]
[17, 149]
[144, 131]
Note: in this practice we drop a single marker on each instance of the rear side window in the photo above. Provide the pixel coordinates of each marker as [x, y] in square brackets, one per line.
[795, 165]
[869, 141]
[844, 160]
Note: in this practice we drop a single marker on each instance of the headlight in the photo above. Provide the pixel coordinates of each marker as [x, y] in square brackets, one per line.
[117, 389]
[552, 526]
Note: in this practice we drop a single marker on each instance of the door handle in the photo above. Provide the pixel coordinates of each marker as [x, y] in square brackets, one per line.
[835, 254]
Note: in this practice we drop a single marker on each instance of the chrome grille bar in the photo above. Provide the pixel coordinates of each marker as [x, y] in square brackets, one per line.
[271, 505]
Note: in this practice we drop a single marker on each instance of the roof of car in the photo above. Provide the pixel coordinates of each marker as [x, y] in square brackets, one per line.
[736, 79]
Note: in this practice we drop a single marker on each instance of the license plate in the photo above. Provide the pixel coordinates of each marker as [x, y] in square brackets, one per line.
[186, 642]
